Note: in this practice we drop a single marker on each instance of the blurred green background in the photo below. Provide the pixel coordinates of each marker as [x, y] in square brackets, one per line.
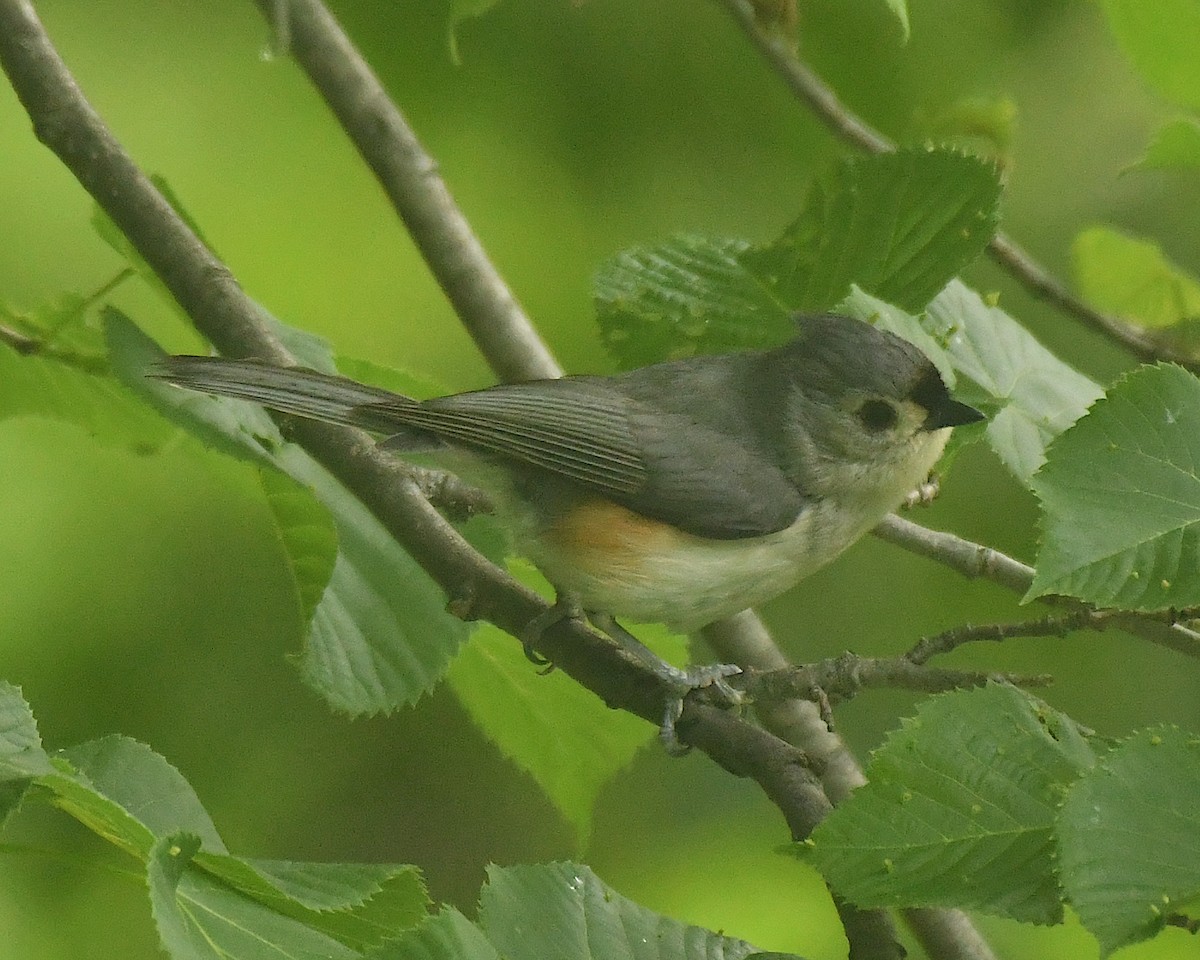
[146, 597]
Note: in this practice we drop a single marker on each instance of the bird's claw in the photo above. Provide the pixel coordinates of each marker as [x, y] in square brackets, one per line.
[681, 683]
[924, 494]
[563, 608]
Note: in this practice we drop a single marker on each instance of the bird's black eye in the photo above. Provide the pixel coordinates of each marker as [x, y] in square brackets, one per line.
[877, 415]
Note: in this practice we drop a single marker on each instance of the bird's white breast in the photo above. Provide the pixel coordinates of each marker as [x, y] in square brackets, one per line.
[621, 563]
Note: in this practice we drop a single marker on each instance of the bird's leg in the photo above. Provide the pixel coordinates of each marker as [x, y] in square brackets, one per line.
[680, 682]
[566, 606]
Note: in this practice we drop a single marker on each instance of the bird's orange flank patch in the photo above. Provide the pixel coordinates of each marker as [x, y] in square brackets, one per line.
[599, 535]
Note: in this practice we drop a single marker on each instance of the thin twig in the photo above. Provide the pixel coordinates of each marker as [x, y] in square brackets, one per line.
[43, 343]
[1043, 284]
[974, 560]
[409, 176]
[18, 341]
[1183, 922]
[1050, 626]
[811, 89]
[805, 84]
[842, 678]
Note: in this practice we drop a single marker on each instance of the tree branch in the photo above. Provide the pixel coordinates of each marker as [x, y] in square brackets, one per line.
[811, 89]
[66, 123]
[410, 178]
[948, 934]
[392, 151]
[1045, 286]
[802, 800]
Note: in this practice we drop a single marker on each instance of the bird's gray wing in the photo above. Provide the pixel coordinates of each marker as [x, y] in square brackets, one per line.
[660, 463]
[603, 435]
[571, 428]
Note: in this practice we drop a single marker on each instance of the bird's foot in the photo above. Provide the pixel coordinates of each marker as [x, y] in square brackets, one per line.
[679, 682]
[924, 494]
[565, 607]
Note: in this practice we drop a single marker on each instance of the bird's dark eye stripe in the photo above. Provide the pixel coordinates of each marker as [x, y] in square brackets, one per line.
[877, 415]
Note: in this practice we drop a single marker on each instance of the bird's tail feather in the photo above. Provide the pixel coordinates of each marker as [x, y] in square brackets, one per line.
[294, 390]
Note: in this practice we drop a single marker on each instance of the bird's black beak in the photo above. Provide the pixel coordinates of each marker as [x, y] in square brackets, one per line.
[951, 413]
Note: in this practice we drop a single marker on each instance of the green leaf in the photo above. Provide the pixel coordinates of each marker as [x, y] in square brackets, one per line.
[207, 904]
[21, 755]
[166, 864]
[1162, 39]
[982, 126]
[958, 809]
[684, 296]
[1030, 395]
[562, 911]
[1120, 497]
[360, 905]
[45, 387]
[380, 636]
[1129, 836]
[308, 535]
[1176, 146]
[1123, 275]
[447, 936]
[128, 794]
[200, 918]
[61, 329]
[558, 732]
[899, 226]
[68, 377]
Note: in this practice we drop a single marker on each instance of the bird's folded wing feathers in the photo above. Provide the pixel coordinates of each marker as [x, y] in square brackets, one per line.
[656, 462]
[569, 427]
[295, 390]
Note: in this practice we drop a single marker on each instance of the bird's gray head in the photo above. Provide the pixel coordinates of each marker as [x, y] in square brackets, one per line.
[864, 398]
